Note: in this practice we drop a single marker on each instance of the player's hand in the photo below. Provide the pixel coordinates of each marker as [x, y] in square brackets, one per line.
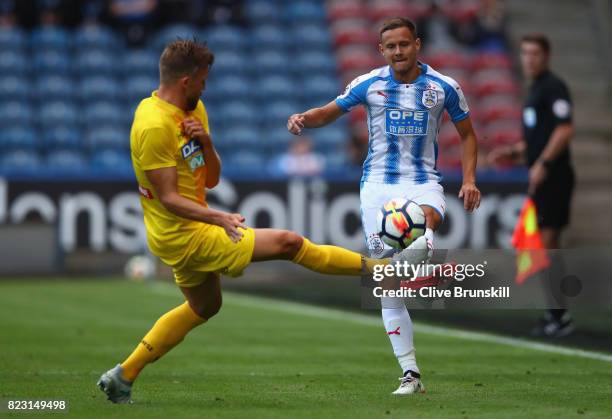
[295, 123]
[471, 196]
[193, 128]
[537, 174]
[231, 223]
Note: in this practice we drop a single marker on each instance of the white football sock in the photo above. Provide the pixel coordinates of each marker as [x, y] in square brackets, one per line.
[398, 325]
[429, 235]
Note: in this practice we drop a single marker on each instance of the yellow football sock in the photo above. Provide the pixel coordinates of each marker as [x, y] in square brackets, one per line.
[167, 332]
[334, 260]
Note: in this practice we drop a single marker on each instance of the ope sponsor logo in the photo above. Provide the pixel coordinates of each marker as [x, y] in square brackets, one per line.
[407, 115]
[190, 148]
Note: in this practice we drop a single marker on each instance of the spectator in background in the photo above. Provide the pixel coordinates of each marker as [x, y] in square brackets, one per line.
[486, 29]
[8, 18]
[301, 160]
[135, 18]
[203, 12]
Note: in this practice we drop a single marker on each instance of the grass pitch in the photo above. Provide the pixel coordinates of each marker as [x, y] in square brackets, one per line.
[259, 359]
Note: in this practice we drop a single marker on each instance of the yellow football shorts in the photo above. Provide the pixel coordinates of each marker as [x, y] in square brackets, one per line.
[215, 253]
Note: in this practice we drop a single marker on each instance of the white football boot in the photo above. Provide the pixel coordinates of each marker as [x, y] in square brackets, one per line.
[417, 252]
[116, 388]
[410, 383]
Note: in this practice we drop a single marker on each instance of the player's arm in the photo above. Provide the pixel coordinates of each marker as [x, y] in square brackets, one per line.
[469, 157]
[194, 129]
[314, 118]
[164, 181]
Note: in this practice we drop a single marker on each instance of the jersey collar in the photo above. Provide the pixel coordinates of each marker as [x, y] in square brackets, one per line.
[422, 67]
[167, 106]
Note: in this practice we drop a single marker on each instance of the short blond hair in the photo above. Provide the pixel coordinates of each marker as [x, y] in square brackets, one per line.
[183, 57]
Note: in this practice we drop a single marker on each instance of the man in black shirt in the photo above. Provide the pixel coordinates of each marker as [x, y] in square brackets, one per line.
[547, 130]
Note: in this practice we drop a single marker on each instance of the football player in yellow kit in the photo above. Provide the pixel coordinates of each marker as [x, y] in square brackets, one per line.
[175, 162]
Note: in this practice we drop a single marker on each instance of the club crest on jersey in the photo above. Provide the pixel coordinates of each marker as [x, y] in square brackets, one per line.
[430, 98]
[375, 244]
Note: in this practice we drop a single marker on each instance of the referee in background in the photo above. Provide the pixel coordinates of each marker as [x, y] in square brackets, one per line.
[547, 131]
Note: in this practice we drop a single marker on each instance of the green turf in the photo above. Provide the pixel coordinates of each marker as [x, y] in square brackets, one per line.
[56, 337]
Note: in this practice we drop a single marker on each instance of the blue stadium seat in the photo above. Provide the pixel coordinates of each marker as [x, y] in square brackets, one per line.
[172, 33]
[319, 88]
[263, 11]
[246, 163]
[304, 12]
[18, 138]
[57, 113]
[330, 137]
[313, 37]
[14, 87]
[66, 161]
[231, 63]
[336, 163]
[271, 63]
[225, 37]
[90, 37]
[48, 62]
[55, 87]
[239, 137]
[15, 113]
[13, 62]
[12, 39]
[272, 36]
[107, 137]
[238, 113]
[103, 113]
[111, 161]
[229, 87]
[99, 88]
[50, 38]
[140, 62]
[97, 62]
[63, 137]
[275, 113]
[274, 88]
[315, 62]
[139, 87]
[20, 161]
[277, 139]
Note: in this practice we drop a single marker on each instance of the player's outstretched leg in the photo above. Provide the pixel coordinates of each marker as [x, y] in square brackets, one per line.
[203, 302]
[332, 260]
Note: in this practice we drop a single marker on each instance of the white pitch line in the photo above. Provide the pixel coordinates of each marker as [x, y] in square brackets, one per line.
[271, 304]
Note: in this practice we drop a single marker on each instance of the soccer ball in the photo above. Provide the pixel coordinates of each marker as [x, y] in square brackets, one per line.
[140, 268]
[400, 222]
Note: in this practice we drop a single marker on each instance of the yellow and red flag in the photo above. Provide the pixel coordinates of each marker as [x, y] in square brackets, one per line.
[531, 255]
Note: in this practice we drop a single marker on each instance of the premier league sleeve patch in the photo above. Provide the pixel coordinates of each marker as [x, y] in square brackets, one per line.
[406, 122]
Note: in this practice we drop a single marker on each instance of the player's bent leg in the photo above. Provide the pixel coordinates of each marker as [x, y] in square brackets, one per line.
[274, 244]
[205, 299]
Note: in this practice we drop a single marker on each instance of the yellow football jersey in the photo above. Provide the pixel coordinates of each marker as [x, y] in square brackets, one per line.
[156, 141]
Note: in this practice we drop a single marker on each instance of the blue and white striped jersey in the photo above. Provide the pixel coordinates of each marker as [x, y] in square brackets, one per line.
[403, 122]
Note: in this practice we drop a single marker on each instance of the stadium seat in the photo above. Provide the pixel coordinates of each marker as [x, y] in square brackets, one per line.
[49, 62]
[231, 63]
[246, 163]
[62, 137]
[276, 139]
[139, 87]
[275, 113]
[172, 33]
[274, 88]
[140, 62]
[97, 63]
[330, 137]
[57, 113]
[20, 162]
[13, 63]
[18, 138]
[226, 38]
[91, 37]
[15, 113]
[50, 38]
[448, 59]
[221, 88]
[498, 60]
[336, 163]
[103, 113]
[107, 137]
[272, 36]
[240, 137]
[381, 9]
[111, 161]
[12, 38]
[315, 62]
[319, 88]
[312, 37]
[66, 162]
[234, 113]
[270, 63]
[55, 87]
[337, 10]
[260, 12]
[99, 88]
[14, 87]
[304, 12]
